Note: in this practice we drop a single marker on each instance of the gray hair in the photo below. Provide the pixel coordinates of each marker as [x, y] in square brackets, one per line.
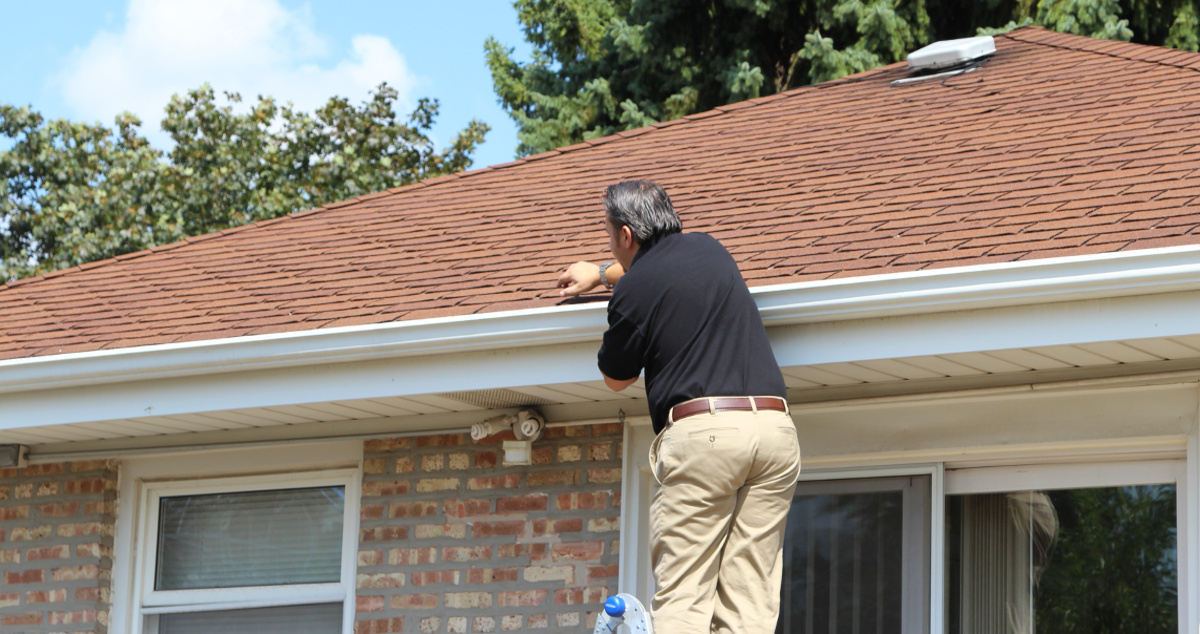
[645, 208]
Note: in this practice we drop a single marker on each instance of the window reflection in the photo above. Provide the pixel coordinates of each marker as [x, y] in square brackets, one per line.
[855, 556]
[1100, 560]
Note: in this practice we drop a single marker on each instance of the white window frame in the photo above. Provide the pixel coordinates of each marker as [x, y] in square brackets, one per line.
[289, 461]
[916, 547]
[635, 573]
[153, 603]
[937, 522]
[1046, 477]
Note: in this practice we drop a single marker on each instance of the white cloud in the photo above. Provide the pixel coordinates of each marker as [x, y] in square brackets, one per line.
[249, 46]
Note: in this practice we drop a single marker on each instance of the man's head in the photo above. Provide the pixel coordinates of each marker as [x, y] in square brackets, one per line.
[639, 211]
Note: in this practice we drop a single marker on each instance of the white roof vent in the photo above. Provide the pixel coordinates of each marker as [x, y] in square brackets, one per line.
[949, 53]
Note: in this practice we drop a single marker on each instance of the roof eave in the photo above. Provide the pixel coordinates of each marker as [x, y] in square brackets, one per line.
[1033, 282]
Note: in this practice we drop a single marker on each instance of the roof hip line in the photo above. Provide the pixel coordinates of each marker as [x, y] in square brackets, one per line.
[1097, 42]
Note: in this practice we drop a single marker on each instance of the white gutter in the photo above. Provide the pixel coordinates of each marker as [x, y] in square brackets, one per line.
[1144, 272]
[355, 343]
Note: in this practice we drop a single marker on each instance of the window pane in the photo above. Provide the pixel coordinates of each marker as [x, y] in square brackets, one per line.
[294, 619]
[1099, 561]
[843, 569]
[250, 539]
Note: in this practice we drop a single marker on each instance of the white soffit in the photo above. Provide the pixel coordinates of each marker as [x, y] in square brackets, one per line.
[1148, 294]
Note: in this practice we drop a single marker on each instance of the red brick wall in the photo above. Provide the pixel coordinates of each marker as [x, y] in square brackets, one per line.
[56, 533]
[453, 541]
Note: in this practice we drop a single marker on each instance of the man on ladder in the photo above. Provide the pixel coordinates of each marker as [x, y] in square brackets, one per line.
[726, 453]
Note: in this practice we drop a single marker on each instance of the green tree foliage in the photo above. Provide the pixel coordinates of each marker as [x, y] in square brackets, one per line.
[73, 192]
[602, 66]
[1113, 566]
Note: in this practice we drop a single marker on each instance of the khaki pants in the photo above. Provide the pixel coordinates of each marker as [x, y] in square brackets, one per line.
[717, 521]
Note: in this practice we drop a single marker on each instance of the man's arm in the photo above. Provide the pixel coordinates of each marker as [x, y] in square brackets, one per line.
[621, 350]
[615, 385]
[582, 277]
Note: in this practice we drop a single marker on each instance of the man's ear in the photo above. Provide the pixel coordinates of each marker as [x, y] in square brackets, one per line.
[627, 239]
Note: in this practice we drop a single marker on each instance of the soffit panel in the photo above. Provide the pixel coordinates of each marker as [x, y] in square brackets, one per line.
[833, 382]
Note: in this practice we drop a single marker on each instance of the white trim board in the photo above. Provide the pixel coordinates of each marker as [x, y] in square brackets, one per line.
[1008, 426]
[1070, 476]
[1153, 293]
[1061, 323]
[298, 385]
[1145, 272]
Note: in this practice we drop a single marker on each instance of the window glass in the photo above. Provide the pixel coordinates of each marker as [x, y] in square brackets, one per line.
[855, 555]
[1096, 560]
[298, 619]
[254, 538]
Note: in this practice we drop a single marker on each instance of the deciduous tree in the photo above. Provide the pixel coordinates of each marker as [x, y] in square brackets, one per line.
[72, 193]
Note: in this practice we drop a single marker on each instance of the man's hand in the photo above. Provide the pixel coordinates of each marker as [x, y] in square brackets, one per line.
[582, 277]
[579, 278]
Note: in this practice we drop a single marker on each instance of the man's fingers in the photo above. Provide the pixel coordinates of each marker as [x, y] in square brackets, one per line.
[577, 279]
[568, 281]
[573, 289]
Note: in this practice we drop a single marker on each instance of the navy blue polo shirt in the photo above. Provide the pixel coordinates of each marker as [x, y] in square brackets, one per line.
[682, 313]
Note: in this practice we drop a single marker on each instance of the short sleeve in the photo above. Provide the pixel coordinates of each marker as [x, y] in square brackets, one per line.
[623, 349]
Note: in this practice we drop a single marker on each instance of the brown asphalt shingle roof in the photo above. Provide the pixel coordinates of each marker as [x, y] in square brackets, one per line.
[1059, 145]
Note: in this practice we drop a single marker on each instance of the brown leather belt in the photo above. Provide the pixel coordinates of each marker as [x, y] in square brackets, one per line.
[726, 403]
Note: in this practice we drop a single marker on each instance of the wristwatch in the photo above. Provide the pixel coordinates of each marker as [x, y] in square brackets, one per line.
[603, 275]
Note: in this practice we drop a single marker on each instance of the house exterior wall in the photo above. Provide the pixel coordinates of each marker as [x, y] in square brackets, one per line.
[56, 537]
[453, 541]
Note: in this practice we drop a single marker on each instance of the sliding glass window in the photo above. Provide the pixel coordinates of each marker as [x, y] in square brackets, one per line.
[1094, 559]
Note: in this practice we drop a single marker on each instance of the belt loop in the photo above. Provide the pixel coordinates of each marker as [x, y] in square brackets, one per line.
[711, 408]
[754, 404]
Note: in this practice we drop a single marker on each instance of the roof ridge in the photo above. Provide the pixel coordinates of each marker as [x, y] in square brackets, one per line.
[444, 178]
[634, 132]
[1109, 48]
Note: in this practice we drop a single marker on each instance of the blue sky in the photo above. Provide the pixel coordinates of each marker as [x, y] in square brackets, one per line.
[89, 60]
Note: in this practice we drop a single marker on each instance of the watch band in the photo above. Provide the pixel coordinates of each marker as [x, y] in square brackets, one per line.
[604, 275]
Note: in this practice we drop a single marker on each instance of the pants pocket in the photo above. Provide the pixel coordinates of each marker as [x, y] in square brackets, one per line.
[655, 447]
[709, 437]
[789, 439]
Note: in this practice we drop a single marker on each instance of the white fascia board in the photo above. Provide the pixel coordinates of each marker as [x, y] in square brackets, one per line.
[470, 333]
[1025, 327]
[1035, 282]
[1147, 272]
[297, 385]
